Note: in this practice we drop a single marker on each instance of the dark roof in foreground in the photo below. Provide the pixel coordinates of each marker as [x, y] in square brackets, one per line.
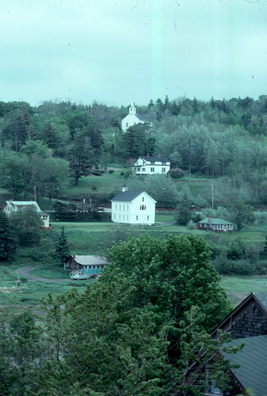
[126, 196]
[261, 297]
[252, 372]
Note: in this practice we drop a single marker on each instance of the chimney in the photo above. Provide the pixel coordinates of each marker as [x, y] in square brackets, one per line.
[124, 188]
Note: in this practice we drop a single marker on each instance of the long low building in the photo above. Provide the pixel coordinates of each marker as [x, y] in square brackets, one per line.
[215, 224]
[90, 264]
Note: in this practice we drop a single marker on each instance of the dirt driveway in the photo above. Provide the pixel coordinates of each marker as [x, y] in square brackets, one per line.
[25, 272]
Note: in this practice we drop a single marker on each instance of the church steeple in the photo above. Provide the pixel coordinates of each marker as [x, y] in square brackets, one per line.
[132, 109]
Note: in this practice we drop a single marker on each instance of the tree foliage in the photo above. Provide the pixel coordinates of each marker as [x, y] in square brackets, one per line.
[62, 248]
[7, 241]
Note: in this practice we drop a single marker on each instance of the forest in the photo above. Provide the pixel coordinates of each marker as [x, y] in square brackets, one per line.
[48, 148]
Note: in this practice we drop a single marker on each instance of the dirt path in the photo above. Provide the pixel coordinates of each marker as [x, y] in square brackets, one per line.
[26, 273]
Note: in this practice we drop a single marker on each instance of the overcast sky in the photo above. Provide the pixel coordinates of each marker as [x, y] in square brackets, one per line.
[118, 51]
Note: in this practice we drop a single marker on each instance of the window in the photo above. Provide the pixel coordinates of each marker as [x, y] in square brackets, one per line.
[143, 198]
[152, 169]
[123, 207]
[147, 217]
[138, 169]
[143, 169]
[119, 206]
[142, 207]
[127, 124]
[163, 170]
[136, 218]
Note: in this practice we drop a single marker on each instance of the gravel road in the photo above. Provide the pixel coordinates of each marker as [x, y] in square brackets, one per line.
[25, 272]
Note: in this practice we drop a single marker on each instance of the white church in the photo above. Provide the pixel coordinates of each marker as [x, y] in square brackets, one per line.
[133, 118]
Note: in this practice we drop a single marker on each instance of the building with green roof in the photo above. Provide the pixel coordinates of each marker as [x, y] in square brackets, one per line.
[215, 224]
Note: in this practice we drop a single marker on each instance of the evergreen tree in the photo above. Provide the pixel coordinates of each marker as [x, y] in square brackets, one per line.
[62, 247]
[183, 213]
[7, 242]
[135, 140]
[81, 156]
[263, 253]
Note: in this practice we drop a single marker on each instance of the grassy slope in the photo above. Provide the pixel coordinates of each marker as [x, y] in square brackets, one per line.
[91, 238]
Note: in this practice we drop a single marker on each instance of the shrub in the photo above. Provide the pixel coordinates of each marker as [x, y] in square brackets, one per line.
[176, 173]
[243, 267]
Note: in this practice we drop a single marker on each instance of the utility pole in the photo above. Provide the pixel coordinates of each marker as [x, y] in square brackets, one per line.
[212, 195]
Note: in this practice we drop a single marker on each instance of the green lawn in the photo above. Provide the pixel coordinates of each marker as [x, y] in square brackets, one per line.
[17, 294]
[51, 271]
[95, 238]
[92, 185]
[238, 287]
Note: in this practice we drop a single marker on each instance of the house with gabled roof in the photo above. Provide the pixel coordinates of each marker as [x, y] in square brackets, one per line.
[133, 207]
[133, 118]
[91, 264]
[214, 224]
[247, 325]
[15, 206]
[151, 166]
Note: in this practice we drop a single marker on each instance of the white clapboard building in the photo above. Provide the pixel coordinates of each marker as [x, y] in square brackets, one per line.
[133, 207]
[14, 206]
[133, 118]
[151, 166]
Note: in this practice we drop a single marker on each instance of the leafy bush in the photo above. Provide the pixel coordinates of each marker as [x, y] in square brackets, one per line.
[176, 173]
[234, 267]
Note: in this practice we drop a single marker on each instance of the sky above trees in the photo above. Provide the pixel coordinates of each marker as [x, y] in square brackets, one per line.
[116, 51]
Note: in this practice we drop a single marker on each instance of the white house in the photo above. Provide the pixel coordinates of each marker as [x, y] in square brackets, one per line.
[151, 166]
[15, 206]
[133, 207]
[133, 118]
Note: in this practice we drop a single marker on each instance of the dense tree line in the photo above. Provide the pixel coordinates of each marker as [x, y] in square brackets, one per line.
[225, 138]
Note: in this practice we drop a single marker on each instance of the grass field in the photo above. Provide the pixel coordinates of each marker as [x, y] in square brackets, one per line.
[18, 295]
[51, 272]
[238, 287]
[93, 185]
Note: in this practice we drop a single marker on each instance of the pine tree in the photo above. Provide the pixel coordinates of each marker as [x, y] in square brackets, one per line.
[62, 247]
[7, 242]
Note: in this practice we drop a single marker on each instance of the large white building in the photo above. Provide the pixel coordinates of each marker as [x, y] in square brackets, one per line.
[133, 207]
[15, 206]
[133, 118]
[151, 166]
